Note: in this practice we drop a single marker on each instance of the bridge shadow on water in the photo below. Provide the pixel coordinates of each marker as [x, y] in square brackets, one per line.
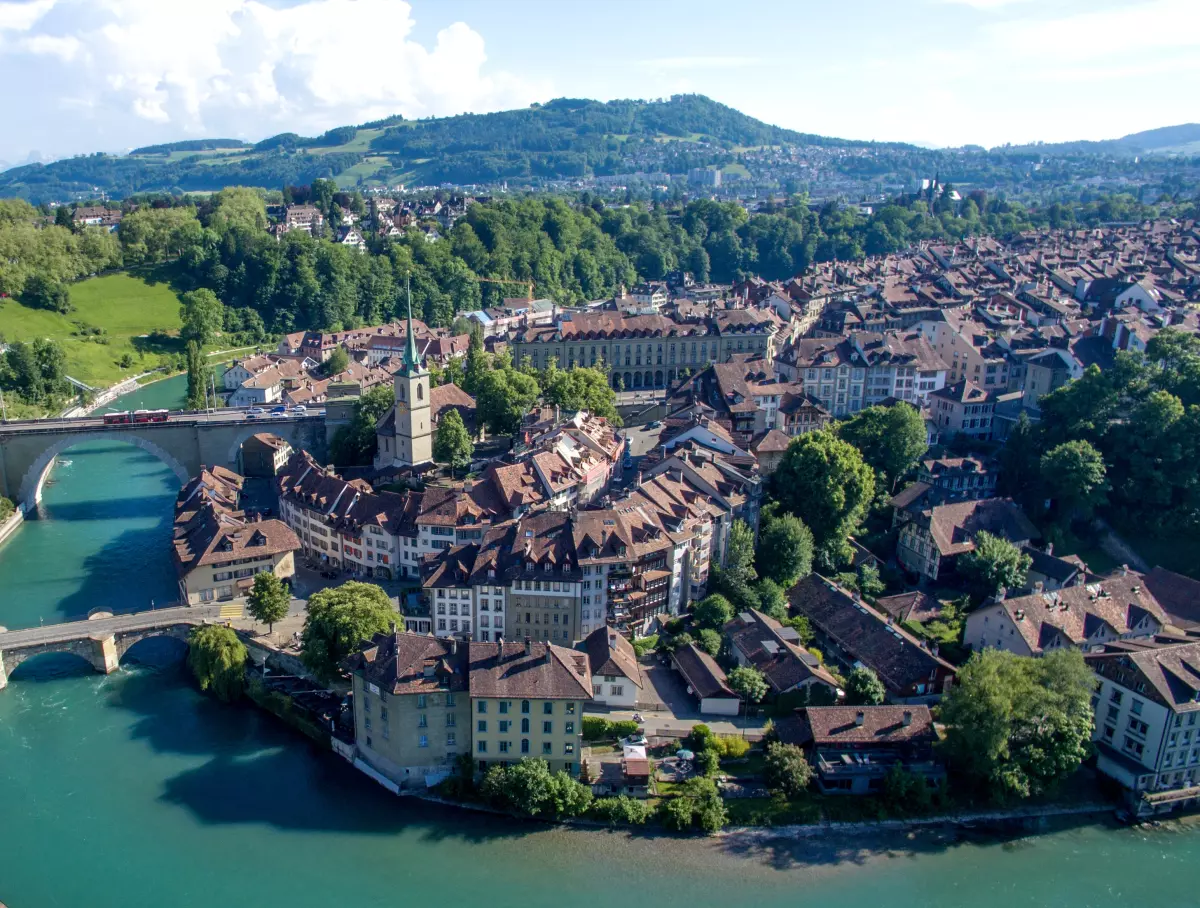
[140, 508]
[124, 575]
[259, 771]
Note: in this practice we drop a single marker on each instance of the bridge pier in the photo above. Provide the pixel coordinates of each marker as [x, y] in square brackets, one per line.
[3, 674]
[105, 658]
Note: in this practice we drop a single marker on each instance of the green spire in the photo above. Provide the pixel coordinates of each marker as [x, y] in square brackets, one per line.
[412, 362]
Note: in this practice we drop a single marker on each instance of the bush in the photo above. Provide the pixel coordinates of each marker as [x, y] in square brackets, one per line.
[698, 806]
[623, 728]
[708, 762]
[596, 729]
[529, 788]
[677, 814]
[906, 791]
[710, 642]
[643, 645]
[621, 810]
[732, 747]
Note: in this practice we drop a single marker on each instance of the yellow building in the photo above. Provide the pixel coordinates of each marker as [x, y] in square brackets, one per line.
[527, 700]
[412, 712]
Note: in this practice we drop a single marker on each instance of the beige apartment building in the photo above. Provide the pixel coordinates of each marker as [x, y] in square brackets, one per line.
[412, 709]
[217, 549]
[527, 700]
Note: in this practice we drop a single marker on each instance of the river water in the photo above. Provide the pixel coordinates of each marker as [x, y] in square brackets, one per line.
[133, 790]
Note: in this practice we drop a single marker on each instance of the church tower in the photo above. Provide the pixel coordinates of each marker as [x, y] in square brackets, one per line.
[414, 424]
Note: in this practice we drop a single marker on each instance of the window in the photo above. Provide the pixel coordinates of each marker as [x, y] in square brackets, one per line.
[524, 726]
[569, 748]
[525, 706]
[570, 729]
[548, 708]
[1135, 706]
[482, 706]
[503, 707]
[503, 723]
[547, 748]
[570, 709]
[503, 747]
[423, 741]
[524, 745]
[451, 739]
[481, 726]
[423, 721]
[481, 747]
[451, 720]
[547, 728]
[449, 699]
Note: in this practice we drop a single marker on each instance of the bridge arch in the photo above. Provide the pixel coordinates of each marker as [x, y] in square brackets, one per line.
[30, 490]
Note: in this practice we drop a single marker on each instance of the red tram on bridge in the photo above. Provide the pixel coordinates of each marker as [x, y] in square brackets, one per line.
[137, 416]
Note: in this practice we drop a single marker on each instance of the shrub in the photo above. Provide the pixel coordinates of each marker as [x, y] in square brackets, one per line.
[624, 810]
[707, 762]
[677, 814]
[596, 728]
[732, 747]
[529, 788]
[643, 645]
[709, 641]
[623, 728]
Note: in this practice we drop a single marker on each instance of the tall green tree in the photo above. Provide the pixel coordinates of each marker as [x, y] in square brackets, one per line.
[1074, 476]
[824, 481]
[748, 683]
[452, 445]
[735, 577]
[863, 688]
[891, 439]
[1016, 726]
[785, 770]
[355, 444]
[217, 659]
[197, 378]
[269, 599]
[993, 564]
[713, 611]
[238, 207]
[339, 620]
[338, 362]
[785, 549]
[203, 316]
[504, 396]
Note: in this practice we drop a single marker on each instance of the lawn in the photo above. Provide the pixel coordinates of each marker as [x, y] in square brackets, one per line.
[123, 306]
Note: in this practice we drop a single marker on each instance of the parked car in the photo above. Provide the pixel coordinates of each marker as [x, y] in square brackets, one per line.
[255, 411]
[654, 425]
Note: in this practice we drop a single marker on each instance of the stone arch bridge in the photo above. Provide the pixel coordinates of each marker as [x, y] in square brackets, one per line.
[185, 442]
[103, 642]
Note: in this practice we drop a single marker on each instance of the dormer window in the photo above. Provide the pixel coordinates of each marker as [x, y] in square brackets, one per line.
[548, 567]
[491, 573]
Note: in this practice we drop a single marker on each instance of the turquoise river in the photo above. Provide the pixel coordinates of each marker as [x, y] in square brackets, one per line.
[134, 791]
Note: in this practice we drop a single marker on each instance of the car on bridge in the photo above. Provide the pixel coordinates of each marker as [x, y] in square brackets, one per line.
[255, 411]
[299, 410]
[279, 411]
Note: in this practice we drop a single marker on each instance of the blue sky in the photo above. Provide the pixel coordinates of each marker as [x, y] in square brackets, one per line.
[92, 75]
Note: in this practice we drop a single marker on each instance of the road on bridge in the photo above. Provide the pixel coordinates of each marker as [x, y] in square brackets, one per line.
[134, 621]
[177, 417]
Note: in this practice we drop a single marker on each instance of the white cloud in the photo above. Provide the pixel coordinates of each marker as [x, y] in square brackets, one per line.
[136, 71]
[21, 17]
[1135, 30]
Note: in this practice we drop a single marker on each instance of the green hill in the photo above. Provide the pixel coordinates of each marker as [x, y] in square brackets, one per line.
[563, 139]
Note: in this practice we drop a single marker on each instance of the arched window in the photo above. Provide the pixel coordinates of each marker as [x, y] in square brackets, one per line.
[420, 391]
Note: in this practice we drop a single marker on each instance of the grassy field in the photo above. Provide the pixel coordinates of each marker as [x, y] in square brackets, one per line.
[124, 307]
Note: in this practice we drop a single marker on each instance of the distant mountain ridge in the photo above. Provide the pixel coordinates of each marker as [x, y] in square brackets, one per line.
[562, 139]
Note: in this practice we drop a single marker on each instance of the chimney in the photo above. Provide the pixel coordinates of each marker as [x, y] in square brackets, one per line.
[528, 647]
[453, 646]
[1049, 548]
[859, 718]
[1124, 570]
[907, 720]
[500, 644]
[1038, 586]
[612, 640]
